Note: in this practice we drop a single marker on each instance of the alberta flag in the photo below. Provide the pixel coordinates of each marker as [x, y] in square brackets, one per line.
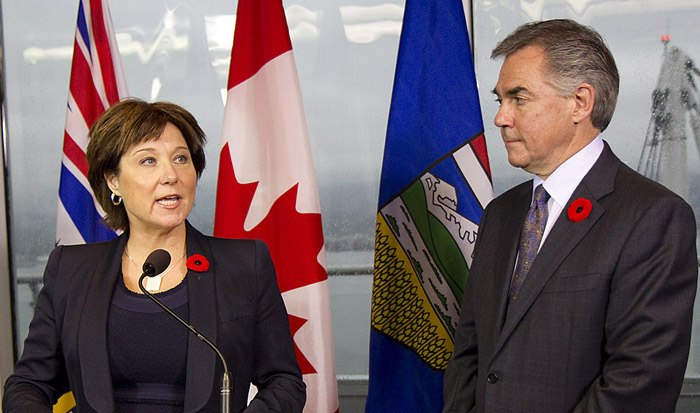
[96, 83]
[267, 186]
[435, 183]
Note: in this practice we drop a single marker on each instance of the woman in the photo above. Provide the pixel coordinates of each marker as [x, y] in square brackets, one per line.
[93, 331]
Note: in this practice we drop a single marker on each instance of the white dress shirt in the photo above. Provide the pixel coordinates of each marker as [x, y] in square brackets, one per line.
[564, 180]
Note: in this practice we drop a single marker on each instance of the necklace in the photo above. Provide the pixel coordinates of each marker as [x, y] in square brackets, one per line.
[153, 283]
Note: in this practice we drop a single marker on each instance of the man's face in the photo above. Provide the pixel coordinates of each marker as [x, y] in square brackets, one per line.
[534, 118]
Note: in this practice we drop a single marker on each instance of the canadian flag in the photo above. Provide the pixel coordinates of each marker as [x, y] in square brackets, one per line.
[267, 187]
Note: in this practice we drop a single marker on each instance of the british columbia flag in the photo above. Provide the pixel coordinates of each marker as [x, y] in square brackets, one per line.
[96, 82]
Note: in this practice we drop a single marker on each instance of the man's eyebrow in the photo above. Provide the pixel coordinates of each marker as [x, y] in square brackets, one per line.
[510, 92]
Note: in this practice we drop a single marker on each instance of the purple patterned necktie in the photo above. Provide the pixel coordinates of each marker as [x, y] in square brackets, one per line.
[530, 238]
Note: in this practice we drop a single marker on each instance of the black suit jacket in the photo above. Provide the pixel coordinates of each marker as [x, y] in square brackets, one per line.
[235, 303]
[603, 321]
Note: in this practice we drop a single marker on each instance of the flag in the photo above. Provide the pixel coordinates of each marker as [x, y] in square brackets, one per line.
[96, 82]
[434, 185]
[267, 187]
[65, 404]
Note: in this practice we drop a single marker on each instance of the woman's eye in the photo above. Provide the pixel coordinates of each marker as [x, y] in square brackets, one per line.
[181, 159]
[148, 161]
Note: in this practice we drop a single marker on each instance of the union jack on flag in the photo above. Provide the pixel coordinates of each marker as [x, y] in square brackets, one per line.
[96, 82]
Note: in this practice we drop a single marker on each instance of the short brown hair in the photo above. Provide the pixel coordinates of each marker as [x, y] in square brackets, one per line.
[574, 54]
[128, 123]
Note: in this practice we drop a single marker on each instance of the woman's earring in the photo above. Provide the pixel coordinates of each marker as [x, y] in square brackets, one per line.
[116, 199]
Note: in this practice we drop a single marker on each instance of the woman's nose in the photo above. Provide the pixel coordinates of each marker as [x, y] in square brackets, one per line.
[168, 174]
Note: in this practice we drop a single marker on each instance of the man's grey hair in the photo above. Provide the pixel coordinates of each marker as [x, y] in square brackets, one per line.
[574, 54]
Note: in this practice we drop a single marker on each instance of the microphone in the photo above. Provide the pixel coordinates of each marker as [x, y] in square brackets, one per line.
[157, 262]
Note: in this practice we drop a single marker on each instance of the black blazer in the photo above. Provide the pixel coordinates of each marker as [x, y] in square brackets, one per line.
[235, 303]
[603, 321]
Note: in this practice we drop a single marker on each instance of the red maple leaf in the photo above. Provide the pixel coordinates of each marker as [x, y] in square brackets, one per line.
[295, 324]
[294, 239]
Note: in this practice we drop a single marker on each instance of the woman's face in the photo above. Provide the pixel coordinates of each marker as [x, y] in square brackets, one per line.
[157, 182]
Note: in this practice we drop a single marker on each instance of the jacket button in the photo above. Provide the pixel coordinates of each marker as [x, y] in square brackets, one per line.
[492, 378]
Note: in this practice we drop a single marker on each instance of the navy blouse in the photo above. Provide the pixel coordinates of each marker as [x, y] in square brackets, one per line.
[147, 350]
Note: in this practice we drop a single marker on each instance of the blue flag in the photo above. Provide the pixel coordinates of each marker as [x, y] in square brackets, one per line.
[435, 183]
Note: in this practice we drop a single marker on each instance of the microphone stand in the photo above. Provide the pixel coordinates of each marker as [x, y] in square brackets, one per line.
[226, 376]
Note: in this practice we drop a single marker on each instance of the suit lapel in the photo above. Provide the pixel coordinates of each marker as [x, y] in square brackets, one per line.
[92, 335]
[201, 360]
[563, 238]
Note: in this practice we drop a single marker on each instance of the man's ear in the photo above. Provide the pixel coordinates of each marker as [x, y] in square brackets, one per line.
[584, 99]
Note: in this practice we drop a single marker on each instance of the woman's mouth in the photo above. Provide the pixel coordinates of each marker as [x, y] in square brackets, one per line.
[169, 200]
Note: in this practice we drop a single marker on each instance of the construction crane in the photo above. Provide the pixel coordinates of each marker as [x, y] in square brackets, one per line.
[674, 116]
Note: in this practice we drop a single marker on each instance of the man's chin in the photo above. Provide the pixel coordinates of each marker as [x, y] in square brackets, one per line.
[517, 162]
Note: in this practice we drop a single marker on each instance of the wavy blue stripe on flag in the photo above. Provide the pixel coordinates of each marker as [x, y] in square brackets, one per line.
[467, 204]
[75, 198]
[435, 182]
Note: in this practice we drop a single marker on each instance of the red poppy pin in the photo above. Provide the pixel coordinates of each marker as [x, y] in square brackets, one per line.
[579, 210]
[197, 262]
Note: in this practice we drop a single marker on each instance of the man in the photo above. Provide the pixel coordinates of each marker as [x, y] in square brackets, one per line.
[599, 318]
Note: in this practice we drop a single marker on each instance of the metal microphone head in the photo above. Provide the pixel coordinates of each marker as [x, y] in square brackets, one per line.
[156, 262]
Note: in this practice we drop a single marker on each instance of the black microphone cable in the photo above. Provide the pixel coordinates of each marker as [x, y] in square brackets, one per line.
[156, 262]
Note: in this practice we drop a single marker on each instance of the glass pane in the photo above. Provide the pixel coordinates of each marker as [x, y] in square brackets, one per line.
[175, 50]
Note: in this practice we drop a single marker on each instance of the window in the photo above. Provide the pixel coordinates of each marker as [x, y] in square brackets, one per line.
[633, 32]
[346, 53]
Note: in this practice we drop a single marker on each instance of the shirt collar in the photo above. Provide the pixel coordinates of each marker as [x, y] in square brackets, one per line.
[564, 180]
